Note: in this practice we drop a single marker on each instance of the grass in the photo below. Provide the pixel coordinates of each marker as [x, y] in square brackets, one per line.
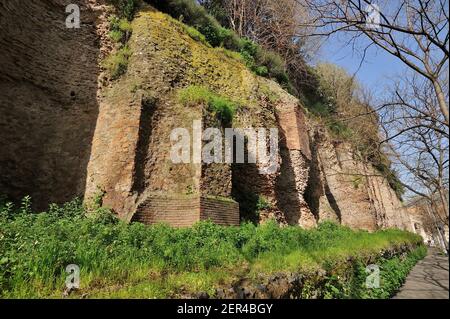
[120, 29]
[117, 63]
[195, 34]
[224, 108]
[133, 260]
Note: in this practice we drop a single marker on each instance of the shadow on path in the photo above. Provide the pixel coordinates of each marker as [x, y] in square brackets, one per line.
[428, 279]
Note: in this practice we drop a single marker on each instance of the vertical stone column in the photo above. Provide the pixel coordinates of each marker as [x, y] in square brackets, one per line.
[296, 155]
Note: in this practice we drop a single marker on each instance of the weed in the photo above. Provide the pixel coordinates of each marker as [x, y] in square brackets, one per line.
[117, 63]
[36, 247]
[221, 106]
[125, 8]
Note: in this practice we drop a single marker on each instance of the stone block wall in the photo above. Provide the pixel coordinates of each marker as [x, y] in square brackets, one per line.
[295, 165]
[345, 189]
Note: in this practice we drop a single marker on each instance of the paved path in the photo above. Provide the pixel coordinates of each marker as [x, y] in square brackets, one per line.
[428, 279]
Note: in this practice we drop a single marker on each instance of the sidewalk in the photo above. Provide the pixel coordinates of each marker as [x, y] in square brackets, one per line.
[428, 279]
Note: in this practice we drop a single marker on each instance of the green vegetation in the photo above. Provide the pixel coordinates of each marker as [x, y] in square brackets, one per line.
[133, 260]
[125, 8]
[393, 272]
[263, 203]
[337, 100]
[195, 34]
[262, 62]
[120, 29]
[221, 106]
[117, 62]
[120, 32]
[251, 205]
[383, 165]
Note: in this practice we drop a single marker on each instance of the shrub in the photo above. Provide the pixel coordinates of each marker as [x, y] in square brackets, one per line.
[262, 71]
[262, 62]
[224, 108]
[116, 35]
[221, 106]
[392, 275]
[274, 64]
[339, 129]
[117, 63]
[125, 8]
[263, 203]
[248, 50]
[120, 29]
[195, 34]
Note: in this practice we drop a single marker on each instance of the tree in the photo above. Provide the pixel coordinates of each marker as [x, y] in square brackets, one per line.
[416, 136]
[416, 32]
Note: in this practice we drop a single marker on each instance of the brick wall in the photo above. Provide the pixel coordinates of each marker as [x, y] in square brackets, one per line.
[219, 211]
[184, 211]
[48, 104]
[177, 211]
[293, 124]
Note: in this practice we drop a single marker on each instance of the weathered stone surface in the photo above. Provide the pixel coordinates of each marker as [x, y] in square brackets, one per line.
[48, 100]
[68, 130]
[344, 188]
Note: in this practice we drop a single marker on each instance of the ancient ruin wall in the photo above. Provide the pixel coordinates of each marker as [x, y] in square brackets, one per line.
[68, 130]
[48, 104]
[186, 210]
[344, 188]
[130, 159]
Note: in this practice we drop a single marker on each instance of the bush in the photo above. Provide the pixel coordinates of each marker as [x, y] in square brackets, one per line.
[36, 248]
[339, 129]
[195, 34]
[392, 275]
[262, 71]
[275, 65]
[117, 63]
[125, 8]
[116, 36]
[120, 29]
[262, 62]
[224, 108]
[221, 106]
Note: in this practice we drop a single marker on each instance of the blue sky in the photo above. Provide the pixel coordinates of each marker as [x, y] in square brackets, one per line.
[377, 68]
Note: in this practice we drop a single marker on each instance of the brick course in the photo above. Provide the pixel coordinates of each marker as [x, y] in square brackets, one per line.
[221, 212]
[184, 211]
